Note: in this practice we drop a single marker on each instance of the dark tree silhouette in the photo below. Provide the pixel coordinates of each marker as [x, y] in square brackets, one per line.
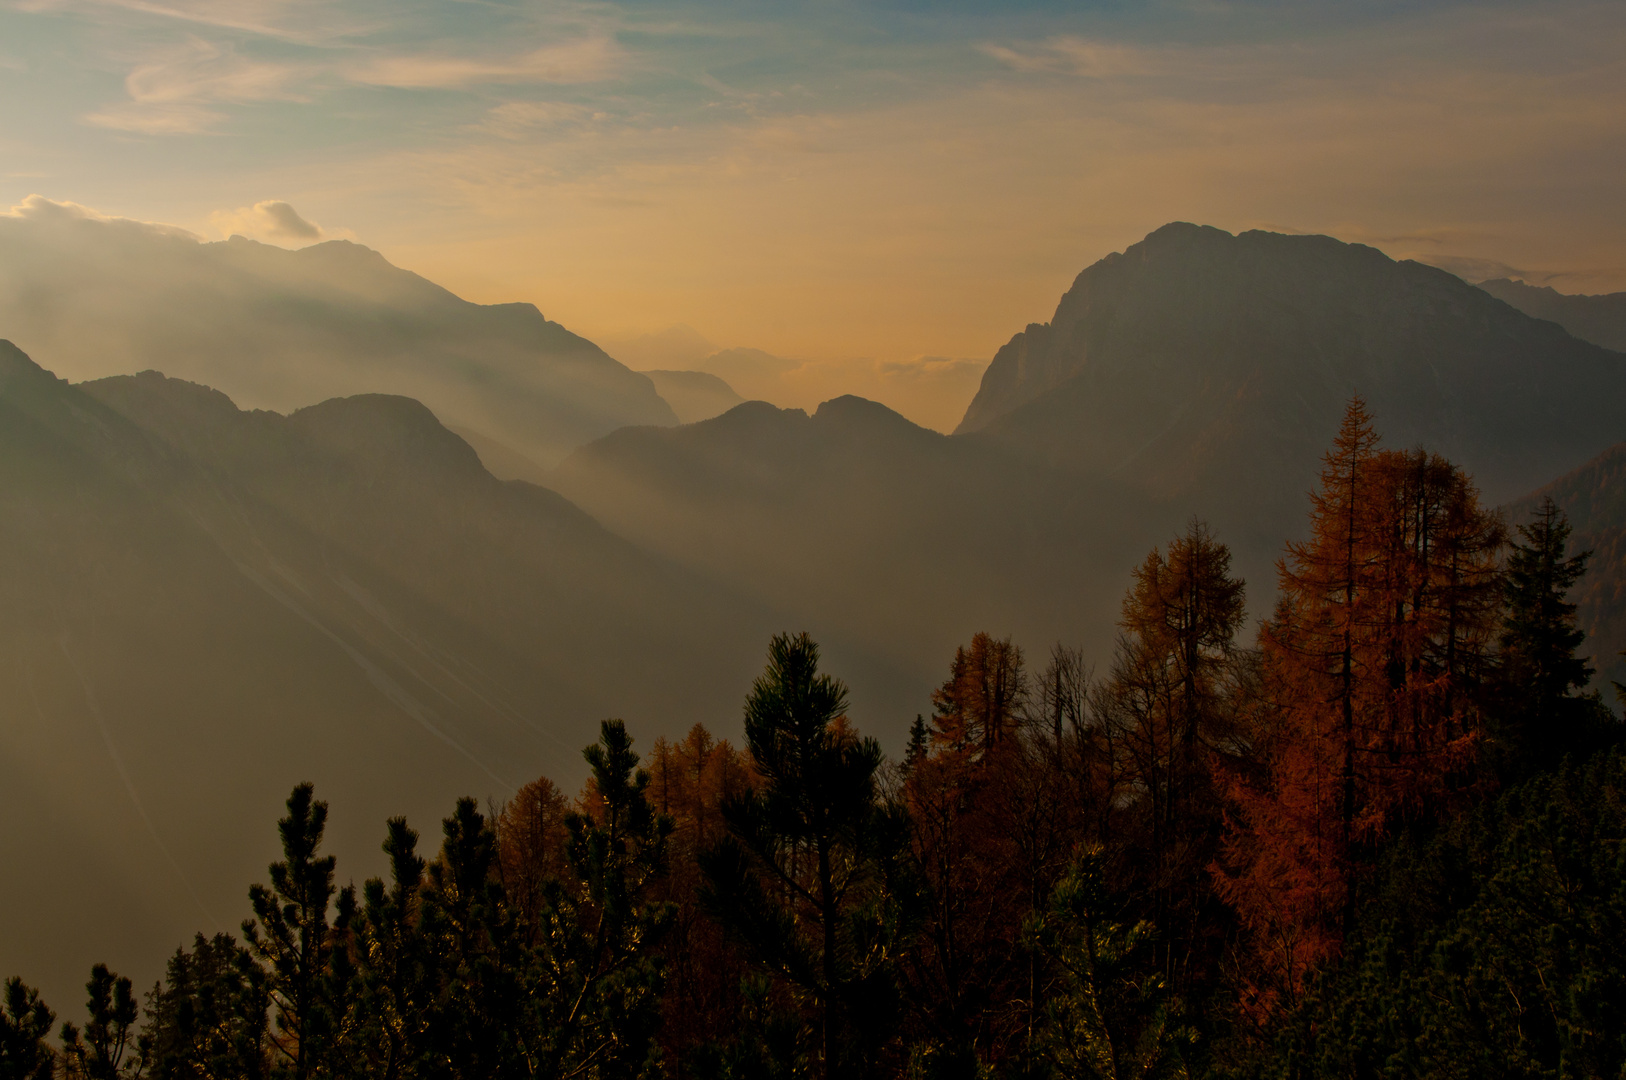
[25, 1021]
[290, 934]
[109, 1029]
[208, 1018]
[1543, 711]
[802, 879]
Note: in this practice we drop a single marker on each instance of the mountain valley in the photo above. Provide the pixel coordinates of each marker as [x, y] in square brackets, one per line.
[466, 536]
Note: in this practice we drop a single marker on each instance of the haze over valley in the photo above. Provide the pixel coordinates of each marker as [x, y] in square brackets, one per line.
[928, 540]
[190, 578]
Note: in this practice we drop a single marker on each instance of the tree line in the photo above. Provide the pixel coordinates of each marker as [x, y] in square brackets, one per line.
[1383, 837]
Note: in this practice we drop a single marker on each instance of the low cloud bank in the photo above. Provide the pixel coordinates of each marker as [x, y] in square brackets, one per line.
[271, 221]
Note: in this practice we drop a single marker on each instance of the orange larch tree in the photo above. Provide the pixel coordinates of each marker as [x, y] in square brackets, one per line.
[1367, 714]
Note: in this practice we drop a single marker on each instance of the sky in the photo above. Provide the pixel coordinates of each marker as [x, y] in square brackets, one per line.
[895, 182]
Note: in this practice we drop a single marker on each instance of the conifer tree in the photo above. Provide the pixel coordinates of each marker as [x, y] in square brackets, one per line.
[25, 1021]
[290, 934]
[594, 1000]
[689, 782]
[1108, 1012]
[1543, 710]
[208, 1019]
[984, 695]
[109, 1029]
[919, 743]
[1368, 712]
[803, 878]
[1171, 700]
[991, 823]
[398, 966]
[477, 1033]
[531, 837]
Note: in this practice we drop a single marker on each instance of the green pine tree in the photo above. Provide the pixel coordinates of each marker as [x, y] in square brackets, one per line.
[477, 1032]
[1542, 710]
[804, 878]
[208, 1020]
[291, 936]
[1108, 1014]
[24, 1023]
[593, 1002]
[920, 739]
[109, 1031]
[398, 966]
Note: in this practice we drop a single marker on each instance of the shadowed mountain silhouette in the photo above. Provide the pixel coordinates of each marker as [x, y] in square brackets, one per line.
[694, 395]
[201, 606]
[245, 599]
[1210, 370]
[1598, 319]
[282, 329]
[1198, 373]
[891, 541]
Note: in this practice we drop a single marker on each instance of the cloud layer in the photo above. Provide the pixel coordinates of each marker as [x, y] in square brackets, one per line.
[829, 181]
[272, 221]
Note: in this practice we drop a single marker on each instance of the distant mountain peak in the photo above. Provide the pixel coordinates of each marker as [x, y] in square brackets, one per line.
[280, 329]
[854, 413]
[390, 432]
[13, 361]
[1196, 362]
[1600, 319]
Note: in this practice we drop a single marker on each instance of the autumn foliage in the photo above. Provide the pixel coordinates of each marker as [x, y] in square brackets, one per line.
[1369, 705]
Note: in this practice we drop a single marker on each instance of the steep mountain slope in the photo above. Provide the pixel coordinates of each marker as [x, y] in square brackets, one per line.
[894, 543]
[1210, 370]
[1594, 499]
[282, 329]
[1198, 373]
[1598, 319]
[201, 606]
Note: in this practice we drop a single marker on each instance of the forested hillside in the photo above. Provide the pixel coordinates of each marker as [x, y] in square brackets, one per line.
[1378, 837]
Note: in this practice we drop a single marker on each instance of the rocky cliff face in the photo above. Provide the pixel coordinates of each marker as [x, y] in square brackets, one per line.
[1211, 370]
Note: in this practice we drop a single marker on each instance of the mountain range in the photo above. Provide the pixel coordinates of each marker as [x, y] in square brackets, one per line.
[280, 329]
[203, 601]
[201, 606]
[1598, 319]
[1210, 370]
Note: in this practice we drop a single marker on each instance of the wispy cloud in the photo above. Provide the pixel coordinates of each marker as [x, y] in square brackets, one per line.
[1069, 55]
[1472, 269]
[173, 92]
[526, 119]
[587, 59]
[306, 22]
